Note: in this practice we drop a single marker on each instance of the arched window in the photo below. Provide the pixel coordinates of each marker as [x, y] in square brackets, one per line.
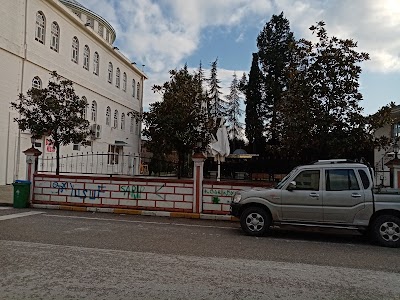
[36, 82]
[117, 77]
[124, 82]
[100, 30]
[108, 116]
[138, 91]
[94, 111]
[122, 121]
[40, 27]
[55, 37]
[84, 115]
[116, 119]
[86, 57]
[132, 127]
[110, 72]
[96, 61]
[107, 36]
[75, 49]
[133, 88]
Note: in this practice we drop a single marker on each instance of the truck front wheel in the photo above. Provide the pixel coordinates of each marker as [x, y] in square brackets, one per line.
[386, 231]
[255, 221]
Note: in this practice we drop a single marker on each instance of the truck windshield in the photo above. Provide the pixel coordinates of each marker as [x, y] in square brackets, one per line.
[286, 178]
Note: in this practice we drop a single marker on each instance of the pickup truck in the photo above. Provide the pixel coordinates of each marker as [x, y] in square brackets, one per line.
[324, 194]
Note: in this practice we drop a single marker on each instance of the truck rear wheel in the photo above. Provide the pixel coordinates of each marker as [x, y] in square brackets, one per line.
[255, 221]
[386, 231]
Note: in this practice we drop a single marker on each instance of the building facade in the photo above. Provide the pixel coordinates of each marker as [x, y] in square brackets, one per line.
[41, 36]
[383, 156]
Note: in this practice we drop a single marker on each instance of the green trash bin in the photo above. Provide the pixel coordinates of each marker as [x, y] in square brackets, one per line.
[22, 190]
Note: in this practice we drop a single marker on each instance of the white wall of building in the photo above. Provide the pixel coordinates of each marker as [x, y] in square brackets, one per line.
[20, 67]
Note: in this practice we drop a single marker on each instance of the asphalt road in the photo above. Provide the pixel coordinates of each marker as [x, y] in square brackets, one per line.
[47, 254]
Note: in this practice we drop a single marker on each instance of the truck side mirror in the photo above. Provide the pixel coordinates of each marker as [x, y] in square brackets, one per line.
[291, 186]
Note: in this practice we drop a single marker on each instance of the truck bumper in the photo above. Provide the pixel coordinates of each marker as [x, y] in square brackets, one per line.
[235, 209]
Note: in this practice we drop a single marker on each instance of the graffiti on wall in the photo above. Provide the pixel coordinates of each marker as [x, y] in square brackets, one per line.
[132, 191]
[68, 188]
[135, 191]
[216, 193]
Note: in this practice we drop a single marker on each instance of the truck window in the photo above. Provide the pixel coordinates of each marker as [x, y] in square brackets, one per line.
[341, 180]
[307, 180]
[364, 179]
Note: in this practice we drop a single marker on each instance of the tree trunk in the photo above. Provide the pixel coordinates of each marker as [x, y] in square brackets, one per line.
[57, 146]
[181, 157]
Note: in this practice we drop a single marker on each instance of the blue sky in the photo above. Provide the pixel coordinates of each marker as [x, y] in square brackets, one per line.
[166, 34]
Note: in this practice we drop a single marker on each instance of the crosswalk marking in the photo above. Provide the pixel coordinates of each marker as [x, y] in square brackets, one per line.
[19, 215]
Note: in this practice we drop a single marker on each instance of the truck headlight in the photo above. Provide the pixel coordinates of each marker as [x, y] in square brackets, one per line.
[237, 198]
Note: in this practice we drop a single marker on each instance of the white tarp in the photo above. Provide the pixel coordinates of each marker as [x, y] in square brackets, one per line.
[219, 146]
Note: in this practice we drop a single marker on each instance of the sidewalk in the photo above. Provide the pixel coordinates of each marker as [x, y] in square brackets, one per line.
[6, 195]
[126, 211]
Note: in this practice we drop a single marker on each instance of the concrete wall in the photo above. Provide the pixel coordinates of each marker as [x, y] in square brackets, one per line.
[217, 196]
[158, 194]
[138, 193]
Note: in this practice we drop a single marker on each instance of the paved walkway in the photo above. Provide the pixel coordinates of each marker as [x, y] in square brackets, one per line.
[6, 195]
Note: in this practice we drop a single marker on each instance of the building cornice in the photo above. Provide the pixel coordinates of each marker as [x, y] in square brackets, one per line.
[113, 52]
[79, 8]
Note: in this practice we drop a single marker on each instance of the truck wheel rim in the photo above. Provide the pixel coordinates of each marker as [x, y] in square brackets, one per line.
[255, 222]
[390, 231]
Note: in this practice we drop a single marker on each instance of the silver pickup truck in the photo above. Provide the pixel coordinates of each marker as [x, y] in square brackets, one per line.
[327, 193]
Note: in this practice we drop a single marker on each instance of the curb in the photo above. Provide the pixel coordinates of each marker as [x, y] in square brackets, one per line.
[138, 212]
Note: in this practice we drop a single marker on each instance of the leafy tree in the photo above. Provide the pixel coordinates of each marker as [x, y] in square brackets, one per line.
[254, 122]
[233, 111]
[321, 114]
[56, 112]
[217, 104]
[274, 44]
[177, 122]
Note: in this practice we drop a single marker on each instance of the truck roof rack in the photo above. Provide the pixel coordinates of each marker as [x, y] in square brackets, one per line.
[332, 161]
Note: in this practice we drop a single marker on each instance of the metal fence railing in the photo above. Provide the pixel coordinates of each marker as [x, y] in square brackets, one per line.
[90, 163]
[109, 163]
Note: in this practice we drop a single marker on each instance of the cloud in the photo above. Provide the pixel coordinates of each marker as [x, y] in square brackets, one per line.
[239, 38]
[163, 34]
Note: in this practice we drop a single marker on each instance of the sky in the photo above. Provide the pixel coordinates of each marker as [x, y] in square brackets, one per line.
[166, 34]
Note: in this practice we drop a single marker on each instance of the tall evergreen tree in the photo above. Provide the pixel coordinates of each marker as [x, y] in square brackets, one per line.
[202, 94]
[275, 43]
[234, 112]
[321, 114]
[253, 120]
[217, 105]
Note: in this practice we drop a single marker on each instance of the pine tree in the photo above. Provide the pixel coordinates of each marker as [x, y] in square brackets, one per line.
[217, 105]
[234, 112]
[275, 43]
[202, 93]
[253, 120]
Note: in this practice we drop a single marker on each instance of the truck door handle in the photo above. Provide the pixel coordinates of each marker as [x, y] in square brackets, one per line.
[356, 195]
[314, 195]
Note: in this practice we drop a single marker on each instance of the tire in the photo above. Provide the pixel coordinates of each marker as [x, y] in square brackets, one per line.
[255, 221]
[386, 231]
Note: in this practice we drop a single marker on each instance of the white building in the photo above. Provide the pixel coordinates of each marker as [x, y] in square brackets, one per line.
[40, 36]
[383, 156]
